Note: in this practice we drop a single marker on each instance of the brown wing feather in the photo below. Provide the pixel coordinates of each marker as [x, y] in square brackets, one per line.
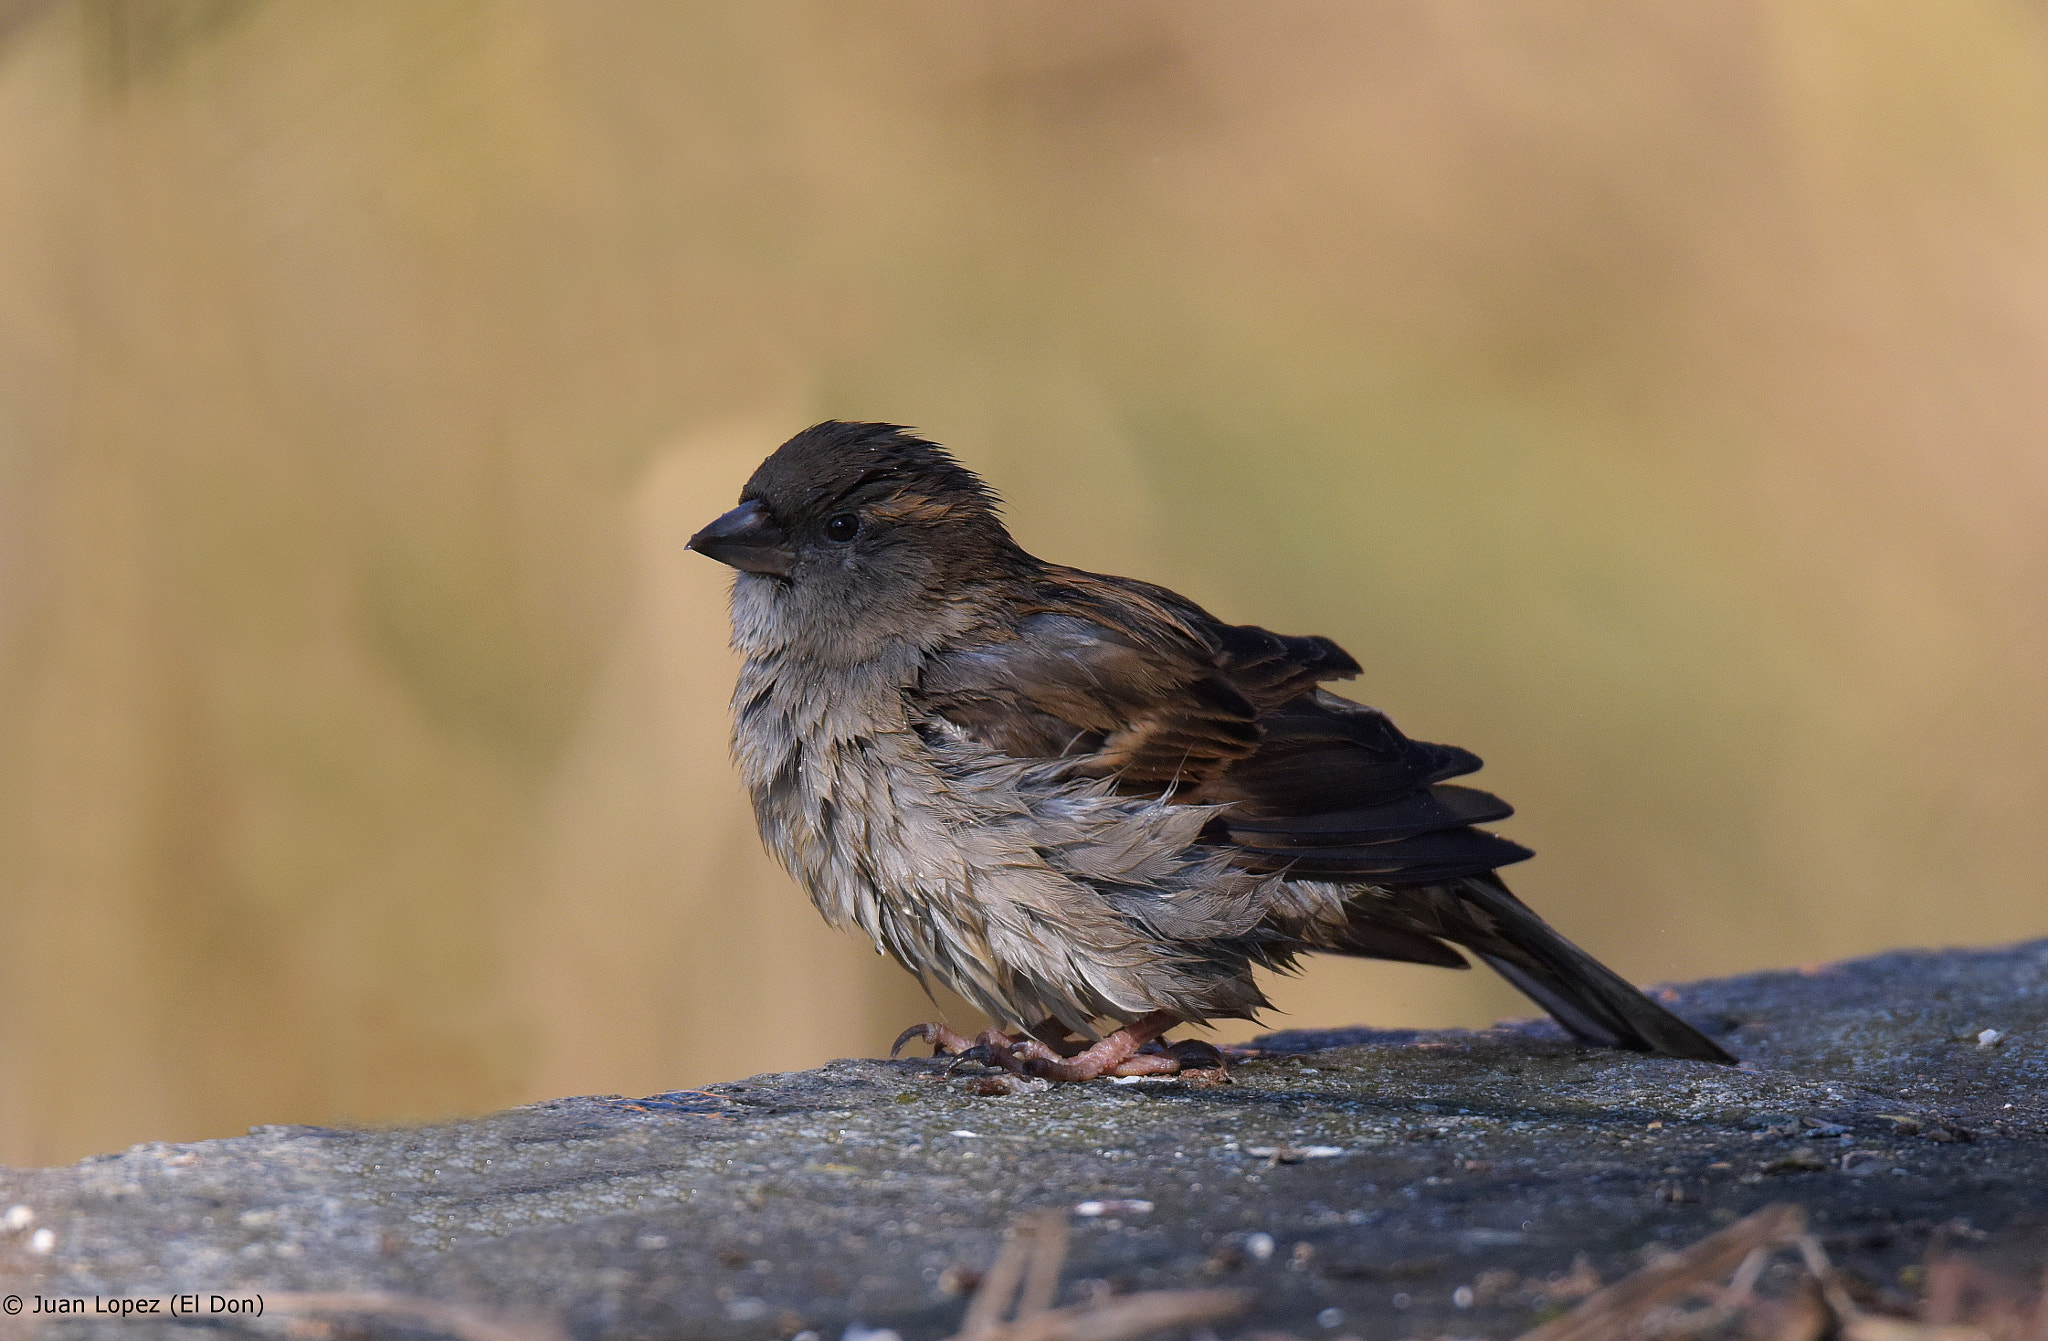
[1271, 669]
[1137, 684]
[1065, 686]
[1123, 676]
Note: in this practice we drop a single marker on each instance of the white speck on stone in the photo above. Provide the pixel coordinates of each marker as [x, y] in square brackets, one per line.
[21, 1217]
[975, 1135]
[1990, 1038]
[1330, 1317]
[1462, 1297]
[42, 1241]
[1259, 1245]
[1088, 1210]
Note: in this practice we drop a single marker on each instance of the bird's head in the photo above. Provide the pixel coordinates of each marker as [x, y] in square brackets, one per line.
[851, 536]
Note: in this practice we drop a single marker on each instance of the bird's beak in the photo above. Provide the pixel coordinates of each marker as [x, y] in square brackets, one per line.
[748, 539]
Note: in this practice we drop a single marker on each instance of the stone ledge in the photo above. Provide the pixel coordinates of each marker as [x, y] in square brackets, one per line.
[1360, 1182]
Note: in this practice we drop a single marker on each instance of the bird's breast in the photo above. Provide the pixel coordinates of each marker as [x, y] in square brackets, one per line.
[841, 787]
[1029, 891]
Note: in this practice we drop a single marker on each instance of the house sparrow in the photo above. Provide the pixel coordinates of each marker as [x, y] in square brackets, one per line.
[1077, 799]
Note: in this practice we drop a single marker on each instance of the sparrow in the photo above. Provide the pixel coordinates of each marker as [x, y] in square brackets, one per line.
[1083, 802]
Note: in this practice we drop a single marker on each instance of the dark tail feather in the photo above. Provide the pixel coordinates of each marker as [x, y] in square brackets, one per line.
[1585, 996]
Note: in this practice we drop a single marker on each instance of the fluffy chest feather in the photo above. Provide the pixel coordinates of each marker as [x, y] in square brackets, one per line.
[1030, 892]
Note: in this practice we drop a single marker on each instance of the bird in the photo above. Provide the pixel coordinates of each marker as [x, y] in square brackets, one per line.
[1082, 802]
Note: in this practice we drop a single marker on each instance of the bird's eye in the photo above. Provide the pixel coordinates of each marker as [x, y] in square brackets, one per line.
[842, 528]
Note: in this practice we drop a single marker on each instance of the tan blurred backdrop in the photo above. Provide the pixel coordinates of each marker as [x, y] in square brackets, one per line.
[1653, 397]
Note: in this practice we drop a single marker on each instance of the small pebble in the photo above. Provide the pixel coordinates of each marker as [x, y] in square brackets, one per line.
[1462, 1297]
[1330, 1317]
[20, 1217]
[1088, 1210]
[1293, 1154]
[1259, 1245]
[42, 1241]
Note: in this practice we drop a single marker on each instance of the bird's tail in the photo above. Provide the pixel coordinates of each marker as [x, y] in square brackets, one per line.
[1585, 996]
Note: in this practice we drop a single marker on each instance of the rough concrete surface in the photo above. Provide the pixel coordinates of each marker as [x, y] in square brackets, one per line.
[1376, 1184]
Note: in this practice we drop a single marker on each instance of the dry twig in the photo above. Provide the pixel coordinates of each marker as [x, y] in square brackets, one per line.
[1028, 1270]
[457, 1320]
[1963, 1302]
[1620, 1309]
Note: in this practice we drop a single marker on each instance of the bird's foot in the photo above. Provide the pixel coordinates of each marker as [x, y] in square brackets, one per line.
[1121, 1053]
[945, 1042]
[1048, 1039]
[991, 1047]
[1011, 1052]
[1134, 1050]
[1199, 1058]
[1191, 1057]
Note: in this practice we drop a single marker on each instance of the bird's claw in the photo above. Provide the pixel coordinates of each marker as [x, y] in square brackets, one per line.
[982, 1054]
[1195, 1054]
[944, 1041]
[1201, 1060]
[1121, 1054]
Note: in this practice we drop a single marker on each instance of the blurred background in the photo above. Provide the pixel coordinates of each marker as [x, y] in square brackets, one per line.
[1654, 398]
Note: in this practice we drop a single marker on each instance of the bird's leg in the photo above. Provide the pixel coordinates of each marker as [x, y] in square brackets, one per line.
[1048, 1050]
[993, 1047]
[944, 1041]
[1048, 1039]
[1115, 1054]
[1187, 1057]
[1057, 1036]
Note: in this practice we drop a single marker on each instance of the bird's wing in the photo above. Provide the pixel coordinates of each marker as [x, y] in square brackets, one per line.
[1336, 792]
[1129, 680]
[1137, 684]
[1152, 713]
